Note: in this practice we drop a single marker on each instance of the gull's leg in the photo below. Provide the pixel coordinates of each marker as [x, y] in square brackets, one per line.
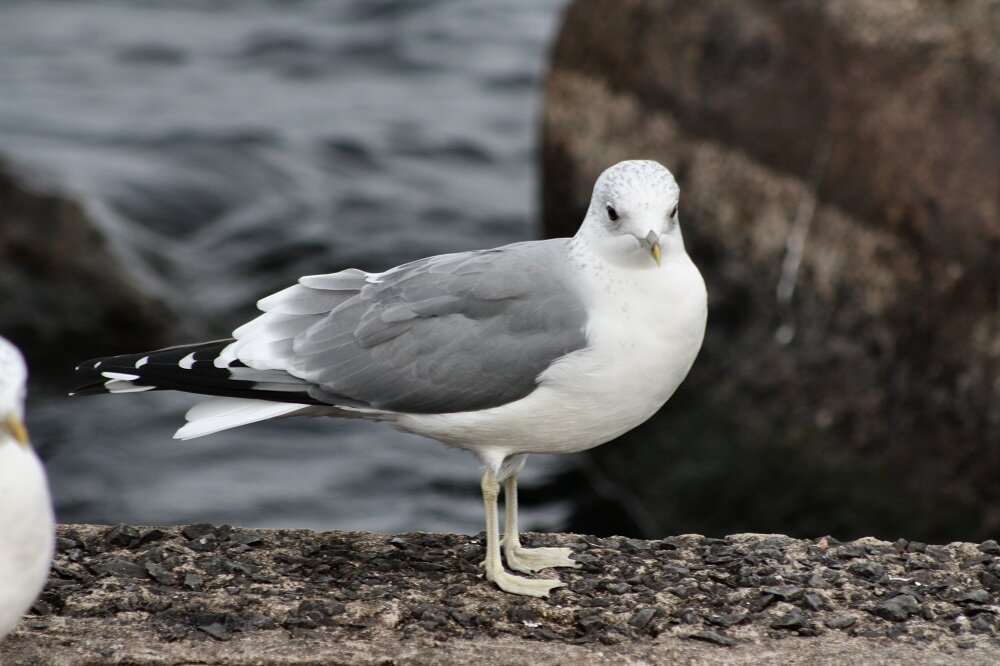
[527, 560]
[495, 572]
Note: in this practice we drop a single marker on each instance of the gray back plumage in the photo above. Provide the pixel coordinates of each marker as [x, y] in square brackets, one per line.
[451, 333]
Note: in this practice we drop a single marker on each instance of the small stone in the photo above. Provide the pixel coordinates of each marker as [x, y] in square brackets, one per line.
[203, 544]
[841, 622]
[676, 570]
[464, 618]
[689, 616]
[198, 531]
[193, 581]
[982, 624]
[784, 592]
[116, 566]
[522, 615]
[642, 618]
[991, 581]
[898, 609]
[851, 551]
[817, 580]
[726, 619]
[867, 569]
[990, 547]
[160, 574]
[813, 601]
[710, 636]
[974, 597]
[217, 631]
[792, 620]
[150, 535]
[122, 536]
[244, 538]
[634, 545]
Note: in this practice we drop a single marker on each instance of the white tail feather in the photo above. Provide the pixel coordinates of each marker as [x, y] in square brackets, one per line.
[218, 414]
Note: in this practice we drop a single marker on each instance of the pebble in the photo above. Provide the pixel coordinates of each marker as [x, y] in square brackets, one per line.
[715, 637]
[841, 622]
[898, 609]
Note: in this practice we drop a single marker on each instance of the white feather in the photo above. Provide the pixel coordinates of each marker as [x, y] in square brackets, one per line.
[122, 386]
[218, 414]
[187, 362]
[123, 376]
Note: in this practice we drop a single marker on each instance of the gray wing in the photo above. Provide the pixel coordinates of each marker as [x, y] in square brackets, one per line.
[450, 333]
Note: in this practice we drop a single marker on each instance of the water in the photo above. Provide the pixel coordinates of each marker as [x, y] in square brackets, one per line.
[229, 147]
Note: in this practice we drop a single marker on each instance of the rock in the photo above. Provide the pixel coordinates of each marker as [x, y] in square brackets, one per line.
[898, 608]
[642, 618]
[792, 620]
[715, 637]
[841, 193]
[990, 547]
[302, 597]
[123, 535]
[867, 569]
[841, 622]
[784, 592]
[979, 596]
[217, 631]
[64, 293]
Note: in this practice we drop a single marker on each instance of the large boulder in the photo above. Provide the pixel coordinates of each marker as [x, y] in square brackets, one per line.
[64, 292]
[839, 166]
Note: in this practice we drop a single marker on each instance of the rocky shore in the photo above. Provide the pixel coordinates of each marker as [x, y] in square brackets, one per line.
[223, 595]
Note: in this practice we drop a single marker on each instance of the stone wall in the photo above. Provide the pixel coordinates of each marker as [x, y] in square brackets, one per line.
[223, 595]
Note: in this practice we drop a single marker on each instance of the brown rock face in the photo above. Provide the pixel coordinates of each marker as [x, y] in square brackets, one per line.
[63, 293]
[840, 174]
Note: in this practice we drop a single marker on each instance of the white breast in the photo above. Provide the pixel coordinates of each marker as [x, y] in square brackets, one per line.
[644, 335]
[27, 527]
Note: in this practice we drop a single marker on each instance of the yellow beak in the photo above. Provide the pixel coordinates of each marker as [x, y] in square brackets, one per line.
[13, 425]
[652, 243]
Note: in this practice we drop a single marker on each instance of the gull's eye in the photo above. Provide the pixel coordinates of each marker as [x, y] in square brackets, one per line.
[612, 213]
[673, 212]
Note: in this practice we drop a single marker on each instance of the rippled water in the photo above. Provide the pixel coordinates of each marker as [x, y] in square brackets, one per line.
[228, 148]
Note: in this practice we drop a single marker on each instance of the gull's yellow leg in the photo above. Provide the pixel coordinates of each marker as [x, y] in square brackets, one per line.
[495, 572]
[527, 560]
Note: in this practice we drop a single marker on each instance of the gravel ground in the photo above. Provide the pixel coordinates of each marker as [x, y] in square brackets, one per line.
[229, 595]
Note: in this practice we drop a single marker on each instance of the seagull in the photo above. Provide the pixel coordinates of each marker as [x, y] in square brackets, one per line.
[27, 524]
[551, 346]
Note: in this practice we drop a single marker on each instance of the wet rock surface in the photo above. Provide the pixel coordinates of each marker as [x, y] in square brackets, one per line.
[228, 595]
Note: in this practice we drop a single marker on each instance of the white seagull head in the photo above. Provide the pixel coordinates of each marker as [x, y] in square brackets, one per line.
[633, 214]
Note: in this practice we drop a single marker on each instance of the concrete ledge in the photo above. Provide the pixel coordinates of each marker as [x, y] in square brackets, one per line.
[207, 595]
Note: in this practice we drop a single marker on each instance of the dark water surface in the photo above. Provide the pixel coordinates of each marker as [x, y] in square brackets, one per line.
[229, 147]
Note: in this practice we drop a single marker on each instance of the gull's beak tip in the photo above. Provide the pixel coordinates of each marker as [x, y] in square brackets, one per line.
[652, 243]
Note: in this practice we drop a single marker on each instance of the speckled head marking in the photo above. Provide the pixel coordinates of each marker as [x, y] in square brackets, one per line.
[633, 214]
[634, 187]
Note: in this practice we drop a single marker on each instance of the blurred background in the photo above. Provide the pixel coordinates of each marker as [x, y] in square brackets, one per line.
[165, 164]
